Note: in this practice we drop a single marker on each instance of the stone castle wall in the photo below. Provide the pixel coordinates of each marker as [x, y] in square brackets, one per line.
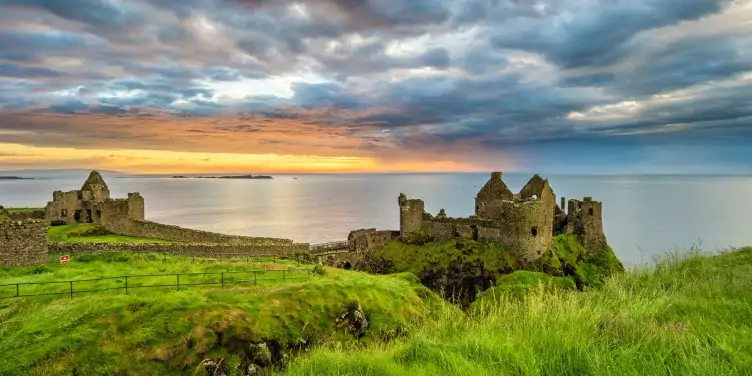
[183, 249]
[25, 215]
[524, 223]
[23, 243]
[366, 240]
[148, 229]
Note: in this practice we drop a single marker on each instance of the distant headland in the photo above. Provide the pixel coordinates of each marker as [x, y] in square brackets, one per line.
[224, 177]
[14, 178]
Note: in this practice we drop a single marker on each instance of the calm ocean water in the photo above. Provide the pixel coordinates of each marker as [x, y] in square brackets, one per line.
[643, 215]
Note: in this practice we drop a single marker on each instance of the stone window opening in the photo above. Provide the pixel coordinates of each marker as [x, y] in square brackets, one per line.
[64, 213]
[534, 231]
[590, 211]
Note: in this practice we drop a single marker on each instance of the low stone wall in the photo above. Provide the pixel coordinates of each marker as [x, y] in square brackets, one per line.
[148, 229]
[23, 243]
[183, 249]
[24, 215]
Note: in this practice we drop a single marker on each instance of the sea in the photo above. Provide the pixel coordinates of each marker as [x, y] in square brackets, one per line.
[644, 216]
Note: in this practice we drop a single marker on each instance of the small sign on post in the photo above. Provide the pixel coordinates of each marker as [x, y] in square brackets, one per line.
[64, 259]
[276, 257]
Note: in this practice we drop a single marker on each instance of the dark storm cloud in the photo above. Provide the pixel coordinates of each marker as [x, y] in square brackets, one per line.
[324, 95]
[28, 46]
[99, 15]
[365, 14]
[14, 70]
[591, 34]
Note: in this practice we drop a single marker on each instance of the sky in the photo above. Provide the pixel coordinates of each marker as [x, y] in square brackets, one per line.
[550, 86]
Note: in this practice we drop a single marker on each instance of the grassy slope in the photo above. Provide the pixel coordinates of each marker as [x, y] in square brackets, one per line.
[160, 268]
[686, 316]
[168, 332]
[91, 233]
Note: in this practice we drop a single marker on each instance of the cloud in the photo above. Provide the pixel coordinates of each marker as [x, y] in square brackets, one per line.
[470, 81]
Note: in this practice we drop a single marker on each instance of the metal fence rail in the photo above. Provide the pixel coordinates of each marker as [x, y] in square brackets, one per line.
[130, 282]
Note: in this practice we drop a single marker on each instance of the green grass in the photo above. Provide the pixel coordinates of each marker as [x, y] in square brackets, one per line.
[91, 233]
[23, 210]
[170, 332]
[689, 315]
[97, 271]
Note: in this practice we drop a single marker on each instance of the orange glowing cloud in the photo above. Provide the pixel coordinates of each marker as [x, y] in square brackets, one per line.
[162, 143]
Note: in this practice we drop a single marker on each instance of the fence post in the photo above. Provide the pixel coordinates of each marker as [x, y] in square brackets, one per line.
[254, 279]
[71, 289]
[309, 273]
[126, 285]
[178, 275]
[223, 280]
[283, 275]
[17, 295]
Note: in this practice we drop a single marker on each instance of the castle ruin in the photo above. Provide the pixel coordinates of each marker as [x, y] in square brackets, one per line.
[524, 223]
[92, 204]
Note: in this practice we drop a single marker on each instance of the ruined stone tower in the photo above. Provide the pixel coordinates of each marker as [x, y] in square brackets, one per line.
[584, 219]
[411, 214]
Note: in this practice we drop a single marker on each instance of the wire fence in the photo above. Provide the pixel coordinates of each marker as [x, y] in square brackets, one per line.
[130, 283]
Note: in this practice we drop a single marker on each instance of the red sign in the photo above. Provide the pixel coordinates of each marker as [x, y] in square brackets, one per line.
[64, 259]
[276, 257]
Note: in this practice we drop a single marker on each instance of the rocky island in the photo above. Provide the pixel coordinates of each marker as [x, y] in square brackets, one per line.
[14, 178]
[224, 177]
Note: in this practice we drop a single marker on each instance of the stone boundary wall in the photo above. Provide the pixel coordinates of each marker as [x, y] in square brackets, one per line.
[148, 229]
[184, 249]
[23, 243]
[24, 215]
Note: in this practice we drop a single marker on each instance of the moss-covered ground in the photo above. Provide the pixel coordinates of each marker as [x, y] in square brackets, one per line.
[91, 233]
[167, 332]
[686, 315]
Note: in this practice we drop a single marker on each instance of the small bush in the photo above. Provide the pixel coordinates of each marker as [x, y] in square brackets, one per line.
[318, 270]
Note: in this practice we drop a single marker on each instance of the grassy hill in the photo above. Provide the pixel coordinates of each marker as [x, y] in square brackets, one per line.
[168, 332]
[688, 315]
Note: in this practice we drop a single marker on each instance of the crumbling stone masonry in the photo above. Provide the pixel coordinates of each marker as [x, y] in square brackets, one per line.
[524, 223]
[23, 242]
[92, 204]
[125, 216]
